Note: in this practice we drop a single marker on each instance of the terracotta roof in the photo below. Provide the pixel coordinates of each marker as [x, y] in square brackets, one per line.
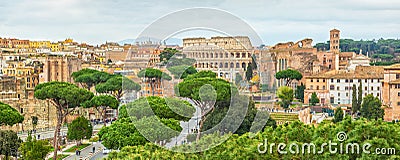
[394, 66]
[346, 54]
[361, 72]
[397, 81]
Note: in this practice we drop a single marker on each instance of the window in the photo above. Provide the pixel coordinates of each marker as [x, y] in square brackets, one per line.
[377, 94]
[317, 80]
[332, 87]
[332, 100]
[377, 88]
[366, 80]
[398, 103]
[338, 94]
[337, 88]
[398, 94]
[323, 87]
[311, 87]
[347, 80]
[351, 80]
[397, 76]
[317, 87]
[372, 88]
[338, 80]
[346, 88]
[311, 80]
[332, 80]
[347, 94]
[366, 88]
[21, 110]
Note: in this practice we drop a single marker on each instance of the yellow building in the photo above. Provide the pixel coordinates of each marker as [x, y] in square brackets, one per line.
[39, 44]
[391, 92]
[55, 47]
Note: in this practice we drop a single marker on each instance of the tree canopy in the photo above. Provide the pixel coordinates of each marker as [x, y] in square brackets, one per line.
[247, 146]
[117, 86]
[203, 74]
[79, 129]
[34, 149]
[182, 71]
[285, 94]
[152, 73]
[371, 108]
[9, 143]
[90, 77]
[9, 115]
[288, 75]
[167, 53]
[314, 99]
[338, 115]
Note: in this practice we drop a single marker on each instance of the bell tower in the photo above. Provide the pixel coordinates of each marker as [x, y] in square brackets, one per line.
[334, 40]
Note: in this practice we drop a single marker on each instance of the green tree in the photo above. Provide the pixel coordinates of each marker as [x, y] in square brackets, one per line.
[371, 108]
[360, 96]
[33, 149]
[285, 94]
[101, 103]
[9, 115]
[9, 143]
[79, 129]
[338, 115]
[202, 74]
[117, 86]
[167, 53]
[182, 71]
[314, 99]
[123, 113]
[34, 121]
[65, 97]
[354, 101]
[153, 77]
[238, 78]
[205, 92]
[288, 75]
[90, 77]
[299, 93]
[249, 72]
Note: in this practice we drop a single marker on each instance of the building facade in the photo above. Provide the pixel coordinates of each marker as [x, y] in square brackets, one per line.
[391, 92]
[225, 56]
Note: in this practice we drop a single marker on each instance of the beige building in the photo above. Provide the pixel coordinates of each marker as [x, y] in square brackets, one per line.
[59, 68]
[391, 92]
[225, 56]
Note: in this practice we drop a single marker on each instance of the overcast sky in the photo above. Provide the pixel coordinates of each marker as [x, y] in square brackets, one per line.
[97, 21]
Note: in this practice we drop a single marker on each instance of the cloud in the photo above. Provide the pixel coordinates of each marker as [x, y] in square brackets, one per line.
[97, 21]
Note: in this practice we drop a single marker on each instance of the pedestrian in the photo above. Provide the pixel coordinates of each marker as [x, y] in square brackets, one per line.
[38, 136]
[94, 149]
[76, 151]
[79, 152]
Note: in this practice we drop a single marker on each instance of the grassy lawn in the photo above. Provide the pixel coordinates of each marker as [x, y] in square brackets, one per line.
[60, 156]
[72, 149]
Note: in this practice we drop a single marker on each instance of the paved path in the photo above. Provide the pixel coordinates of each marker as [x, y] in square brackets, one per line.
[50, 133]
[87, 152]
[186, 127]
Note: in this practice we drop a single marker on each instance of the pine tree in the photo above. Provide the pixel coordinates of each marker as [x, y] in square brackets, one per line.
[338, 115]
[360, 97]
[354, 101]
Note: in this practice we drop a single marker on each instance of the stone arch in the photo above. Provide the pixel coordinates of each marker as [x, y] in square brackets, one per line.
[243, 55]
[244, 66]
[221, 65]
[226, 65]
[237, 65]
[237, 55]
[232, 65]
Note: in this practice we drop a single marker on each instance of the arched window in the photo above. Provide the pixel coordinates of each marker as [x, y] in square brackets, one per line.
[232, 65]
[226, 65]
[244, 65]
[221, 65]
[237, 65]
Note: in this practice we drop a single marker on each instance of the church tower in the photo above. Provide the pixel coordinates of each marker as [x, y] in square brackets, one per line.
[334, 40]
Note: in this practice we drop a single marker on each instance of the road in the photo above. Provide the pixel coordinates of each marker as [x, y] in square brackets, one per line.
[50, 133]
[186, 127]
[87, 152]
